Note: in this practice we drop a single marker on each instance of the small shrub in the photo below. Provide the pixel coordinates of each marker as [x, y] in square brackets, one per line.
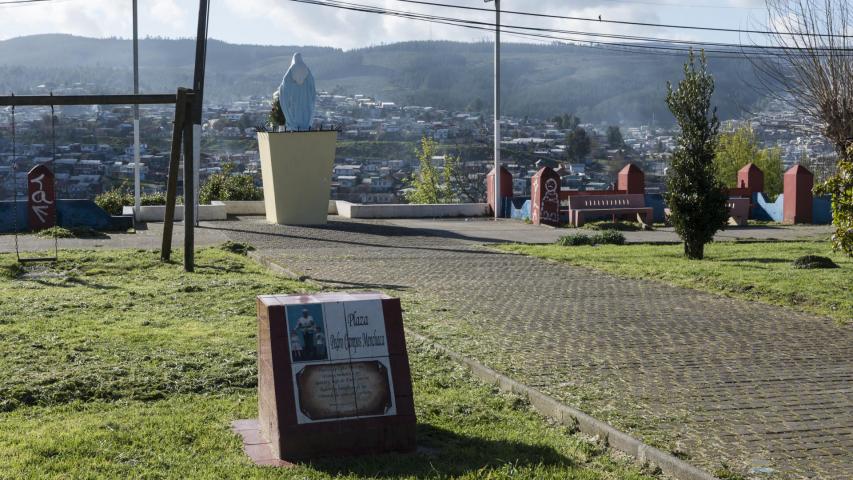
[609, 237]
[840, 187]
[58, 232]
[225, 186]
[814, 261]
[574, 239]
[237, 247]
[113, 200]
[617, 225]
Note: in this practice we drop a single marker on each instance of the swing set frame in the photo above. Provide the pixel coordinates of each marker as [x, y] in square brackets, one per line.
[182, 133]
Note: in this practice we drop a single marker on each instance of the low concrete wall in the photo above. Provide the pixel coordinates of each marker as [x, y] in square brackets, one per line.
[402, 210]
[244, 207]
[157, 213]
[69, 214]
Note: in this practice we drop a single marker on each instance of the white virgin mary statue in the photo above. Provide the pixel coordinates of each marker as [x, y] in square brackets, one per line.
[297, 94]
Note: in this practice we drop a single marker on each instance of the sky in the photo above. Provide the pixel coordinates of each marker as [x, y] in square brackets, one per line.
[282, 22]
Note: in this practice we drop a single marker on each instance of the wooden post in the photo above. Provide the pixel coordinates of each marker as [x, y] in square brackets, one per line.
[174, 167]
[189, 188]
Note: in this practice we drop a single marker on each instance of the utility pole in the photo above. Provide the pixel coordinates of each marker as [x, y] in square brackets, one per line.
[198, 88]
[498, 200]
[137, 187]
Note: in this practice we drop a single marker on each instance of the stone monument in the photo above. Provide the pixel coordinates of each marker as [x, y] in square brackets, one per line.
[333, 378]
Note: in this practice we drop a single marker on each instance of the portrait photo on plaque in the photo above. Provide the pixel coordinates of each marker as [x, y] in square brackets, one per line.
[307, 330]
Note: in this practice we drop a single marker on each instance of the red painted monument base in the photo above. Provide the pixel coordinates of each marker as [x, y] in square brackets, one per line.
[333, 378]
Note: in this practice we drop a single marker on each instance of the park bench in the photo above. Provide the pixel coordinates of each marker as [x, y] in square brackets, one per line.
[614, 207]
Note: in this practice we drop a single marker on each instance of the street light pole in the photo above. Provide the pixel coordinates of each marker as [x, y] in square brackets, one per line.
[497, 179]
[137, 187]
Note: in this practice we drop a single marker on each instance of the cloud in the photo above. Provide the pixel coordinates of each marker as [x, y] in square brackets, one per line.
[280, 22]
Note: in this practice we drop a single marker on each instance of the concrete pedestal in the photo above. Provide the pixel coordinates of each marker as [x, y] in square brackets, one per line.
[297, 175]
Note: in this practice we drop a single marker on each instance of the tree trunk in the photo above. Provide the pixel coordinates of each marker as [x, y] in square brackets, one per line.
[694, 250]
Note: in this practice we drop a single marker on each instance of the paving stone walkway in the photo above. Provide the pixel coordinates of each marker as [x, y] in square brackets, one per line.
[761, 388]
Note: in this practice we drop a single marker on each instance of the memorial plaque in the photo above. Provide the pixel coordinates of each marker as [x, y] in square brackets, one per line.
[333, 375]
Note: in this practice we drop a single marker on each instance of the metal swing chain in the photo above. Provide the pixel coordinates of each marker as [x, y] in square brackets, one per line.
[15, 183]
[53, 164]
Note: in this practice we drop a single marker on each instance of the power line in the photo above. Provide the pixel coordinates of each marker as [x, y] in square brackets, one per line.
[18, 2]
[548, 33]
[682, 5]
[619, 22]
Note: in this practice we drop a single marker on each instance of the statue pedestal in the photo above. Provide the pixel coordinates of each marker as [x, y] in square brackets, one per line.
[297, 175]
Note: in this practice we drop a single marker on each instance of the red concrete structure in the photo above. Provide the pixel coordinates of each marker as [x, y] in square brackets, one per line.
[506, 186]
[631, 180]
[41, 198]
[750, 178]
[545, 197]
[798, 202]
[328, 404]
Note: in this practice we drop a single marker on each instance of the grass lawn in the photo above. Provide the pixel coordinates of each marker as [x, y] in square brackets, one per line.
[117, 366]
[752, 271]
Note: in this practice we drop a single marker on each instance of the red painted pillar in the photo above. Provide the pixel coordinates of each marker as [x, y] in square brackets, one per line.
[506, 186]
[631, 179]
[41, 198]
[797, 206]
[751, 178]
[545, 197]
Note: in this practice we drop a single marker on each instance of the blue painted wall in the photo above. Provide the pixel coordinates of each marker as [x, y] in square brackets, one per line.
[655, 200]
[69, 213]
[822, 210]
[519, 208]
[764, 209]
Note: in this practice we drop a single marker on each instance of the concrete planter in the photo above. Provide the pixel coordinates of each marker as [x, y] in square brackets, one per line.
[404, 210]
[297, 175]
[157, 213]
[244, 207]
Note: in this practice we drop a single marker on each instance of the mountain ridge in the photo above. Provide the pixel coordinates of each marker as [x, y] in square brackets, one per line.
[537, 80]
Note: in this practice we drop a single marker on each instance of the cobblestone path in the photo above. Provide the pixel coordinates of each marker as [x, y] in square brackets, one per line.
[712, 379]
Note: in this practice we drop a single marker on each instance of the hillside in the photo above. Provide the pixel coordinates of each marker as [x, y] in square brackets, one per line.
[538, 80]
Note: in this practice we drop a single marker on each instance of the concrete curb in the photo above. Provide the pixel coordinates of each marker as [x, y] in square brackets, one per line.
[279, 270]
[551, 407]
[545, 404]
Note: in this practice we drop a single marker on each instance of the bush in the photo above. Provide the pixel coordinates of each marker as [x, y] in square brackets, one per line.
[113, 200]
[840, 186]
[226, 186]
[574, 239]
[237, 247]
[607, 237]
[814, 261]
[617, 225]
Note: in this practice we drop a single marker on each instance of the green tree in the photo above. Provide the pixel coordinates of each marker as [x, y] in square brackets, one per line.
[740, 147]
[427, 183]
[578, 144]
[695, 196]
[614, 137]
[566, 121]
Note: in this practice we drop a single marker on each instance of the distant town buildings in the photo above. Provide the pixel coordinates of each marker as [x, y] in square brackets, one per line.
[376, 145]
